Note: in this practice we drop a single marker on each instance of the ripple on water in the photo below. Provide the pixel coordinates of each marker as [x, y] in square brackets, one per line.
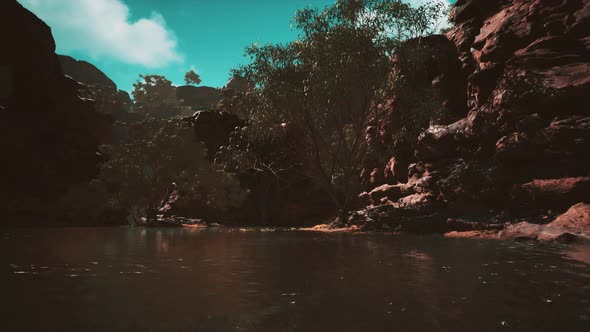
[410, 282]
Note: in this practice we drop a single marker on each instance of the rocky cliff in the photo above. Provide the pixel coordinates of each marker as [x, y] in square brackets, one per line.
[101, 88]
[514, 78]
[48, 134]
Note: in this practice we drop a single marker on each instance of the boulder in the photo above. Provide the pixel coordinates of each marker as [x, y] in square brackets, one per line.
[575, 219]
[525, 231]
[391, 192]
[571, 225]
[551, 193]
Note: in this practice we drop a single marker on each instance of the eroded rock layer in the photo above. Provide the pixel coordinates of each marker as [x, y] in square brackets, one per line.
[521, 147]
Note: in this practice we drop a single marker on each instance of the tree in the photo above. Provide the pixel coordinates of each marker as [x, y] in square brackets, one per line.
[191, 77]
[153, 154]
[328, 84]
[155, 96]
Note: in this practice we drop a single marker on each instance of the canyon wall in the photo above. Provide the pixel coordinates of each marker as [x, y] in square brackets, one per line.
[514, 79]
[48, 134]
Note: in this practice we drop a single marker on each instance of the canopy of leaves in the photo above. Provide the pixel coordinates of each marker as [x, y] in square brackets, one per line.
[144, 160]
[155, 96]
[326, 85]
[191, 77]
[155, 153]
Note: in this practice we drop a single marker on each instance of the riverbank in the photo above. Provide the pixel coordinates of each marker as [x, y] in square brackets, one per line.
[570, 226]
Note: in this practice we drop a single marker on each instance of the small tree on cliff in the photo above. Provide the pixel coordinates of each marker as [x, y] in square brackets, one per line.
[328, 85]
[155, 96]
[191, 77]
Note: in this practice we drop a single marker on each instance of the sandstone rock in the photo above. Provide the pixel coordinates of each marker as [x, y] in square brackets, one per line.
[396, 171]
[525, 231]
[553, 193]
[524, 76]
[419, 202]
[521, 231]
[477, 234]
[515, 148]
[576, 219]
[549, 234]
[441, 141]
[573, 224]
[391, 192]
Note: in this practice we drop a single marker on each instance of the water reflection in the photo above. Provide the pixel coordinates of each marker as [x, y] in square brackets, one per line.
[579, 253]
[125, 279]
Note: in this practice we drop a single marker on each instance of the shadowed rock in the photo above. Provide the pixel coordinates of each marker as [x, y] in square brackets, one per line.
[48, 134]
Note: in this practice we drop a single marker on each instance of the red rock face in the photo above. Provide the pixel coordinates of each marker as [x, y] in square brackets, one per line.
[522, 147]
[577, 218]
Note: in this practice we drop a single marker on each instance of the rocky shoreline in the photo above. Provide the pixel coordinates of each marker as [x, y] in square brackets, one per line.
[510, 158]
[573, 225]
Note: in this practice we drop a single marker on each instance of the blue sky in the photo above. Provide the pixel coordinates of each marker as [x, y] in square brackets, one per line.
[125, 38]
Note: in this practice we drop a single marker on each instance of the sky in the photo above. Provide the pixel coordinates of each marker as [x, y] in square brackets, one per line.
[126, 38]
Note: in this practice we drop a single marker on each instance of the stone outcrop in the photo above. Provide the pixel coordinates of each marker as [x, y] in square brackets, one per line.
[48, 134]
[100, 87]
[85, 72]
[573, 224]
[518, 145]
[198, 97]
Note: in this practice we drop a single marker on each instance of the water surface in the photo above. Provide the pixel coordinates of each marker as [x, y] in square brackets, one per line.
[126, 279]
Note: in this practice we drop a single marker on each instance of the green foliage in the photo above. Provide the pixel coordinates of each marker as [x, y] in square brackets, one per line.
[237, 103]
[210, 188]
[191, 77]
[155, 96]
[417, 103]
[326, 85]
[153, 154]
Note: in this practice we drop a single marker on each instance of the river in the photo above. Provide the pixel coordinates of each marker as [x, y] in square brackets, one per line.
[140, 279]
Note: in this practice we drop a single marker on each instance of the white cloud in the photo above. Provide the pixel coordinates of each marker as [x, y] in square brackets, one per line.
[102, 28]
